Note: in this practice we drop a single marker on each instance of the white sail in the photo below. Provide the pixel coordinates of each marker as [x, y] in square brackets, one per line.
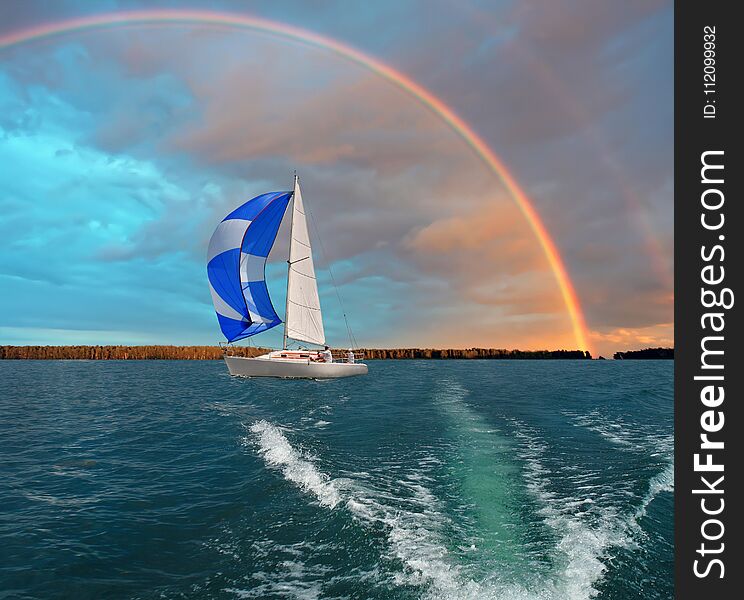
[304, 321]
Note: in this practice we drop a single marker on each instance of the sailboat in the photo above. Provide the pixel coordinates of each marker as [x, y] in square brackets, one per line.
[236, 263]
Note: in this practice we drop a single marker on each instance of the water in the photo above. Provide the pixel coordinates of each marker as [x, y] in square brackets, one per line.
[514, 480]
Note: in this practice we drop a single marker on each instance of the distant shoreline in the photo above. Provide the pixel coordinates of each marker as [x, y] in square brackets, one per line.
[215, 353]
[646, 354]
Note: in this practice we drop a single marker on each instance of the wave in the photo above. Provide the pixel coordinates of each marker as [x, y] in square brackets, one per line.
[587, 536]
[631, 438]
[663, 482]
[292, 578]
[613, 432]
[411, 526]
[416, 526]
[413, 522]
[634, 438]
[279, 453]
[581, 546]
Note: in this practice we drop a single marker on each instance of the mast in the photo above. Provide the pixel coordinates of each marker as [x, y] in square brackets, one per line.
[289, 262]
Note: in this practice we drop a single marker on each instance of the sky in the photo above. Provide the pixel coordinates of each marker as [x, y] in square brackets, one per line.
[123, 147]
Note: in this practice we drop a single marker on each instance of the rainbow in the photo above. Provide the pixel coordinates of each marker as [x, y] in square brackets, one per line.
[405, 83]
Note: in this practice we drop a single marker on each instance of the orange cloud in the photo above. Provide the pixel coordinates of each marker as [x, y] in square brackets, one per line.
[622, 338]
[490, 256]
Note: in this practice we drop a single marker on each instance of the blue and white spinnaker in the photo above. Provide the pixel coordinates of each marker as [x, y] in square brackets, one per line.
[236, 261]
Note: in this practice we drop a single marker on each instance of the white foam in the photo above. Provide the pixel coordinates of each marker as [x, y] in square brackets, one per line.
[278, 452]
[585, 538]
[631, 438]
[581, 546]
[290, 580]
[635, 438]
[613, 432]
[412, 534]
[663, 482]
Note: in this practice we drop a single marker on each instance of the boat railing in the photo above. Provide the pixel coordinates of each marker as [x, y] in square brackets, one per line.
[226, 348]
[342, 356]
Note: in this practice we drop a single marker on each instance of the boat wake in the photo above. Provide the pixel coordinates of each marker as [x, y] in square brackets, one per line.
[279, 453]
[584, 535]
[635, 439]
[587, 532]
[663, 482]
[416, 525]
[630, 438]
[410, 526]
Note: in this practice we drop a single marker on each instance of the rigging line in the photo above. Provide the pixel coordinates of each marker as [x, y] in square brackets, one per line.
[352, 339]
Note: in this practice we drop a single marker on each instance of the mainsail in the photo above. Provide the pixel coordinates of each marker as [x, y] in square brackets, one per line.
[304, 319]
[236, 262]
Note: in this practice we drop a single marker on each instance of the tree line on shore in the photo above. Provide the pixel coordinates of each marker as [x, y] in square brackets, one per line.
[646, 354]
[215, 353]
[122, 352]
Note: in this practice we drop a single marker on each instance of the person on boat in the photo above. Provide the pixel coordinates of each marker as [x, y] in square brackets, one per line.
[350, 356]
[326, 354]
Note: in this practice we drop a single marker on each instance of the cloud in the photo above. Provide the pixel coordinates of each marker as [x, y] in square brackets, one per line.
[608, 341]
[490, 256]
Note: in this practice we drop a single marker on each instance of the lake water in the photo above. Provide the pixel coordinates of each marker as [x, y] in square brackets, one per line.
[509, 480]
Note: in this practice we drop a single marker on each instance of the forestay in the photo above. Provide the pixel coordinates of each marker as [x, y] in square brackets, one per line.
[236, 262]
[304, 318]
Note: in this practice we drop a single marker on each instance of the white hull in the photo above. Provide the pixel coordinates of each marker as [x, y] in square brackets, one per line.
[291, 368]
